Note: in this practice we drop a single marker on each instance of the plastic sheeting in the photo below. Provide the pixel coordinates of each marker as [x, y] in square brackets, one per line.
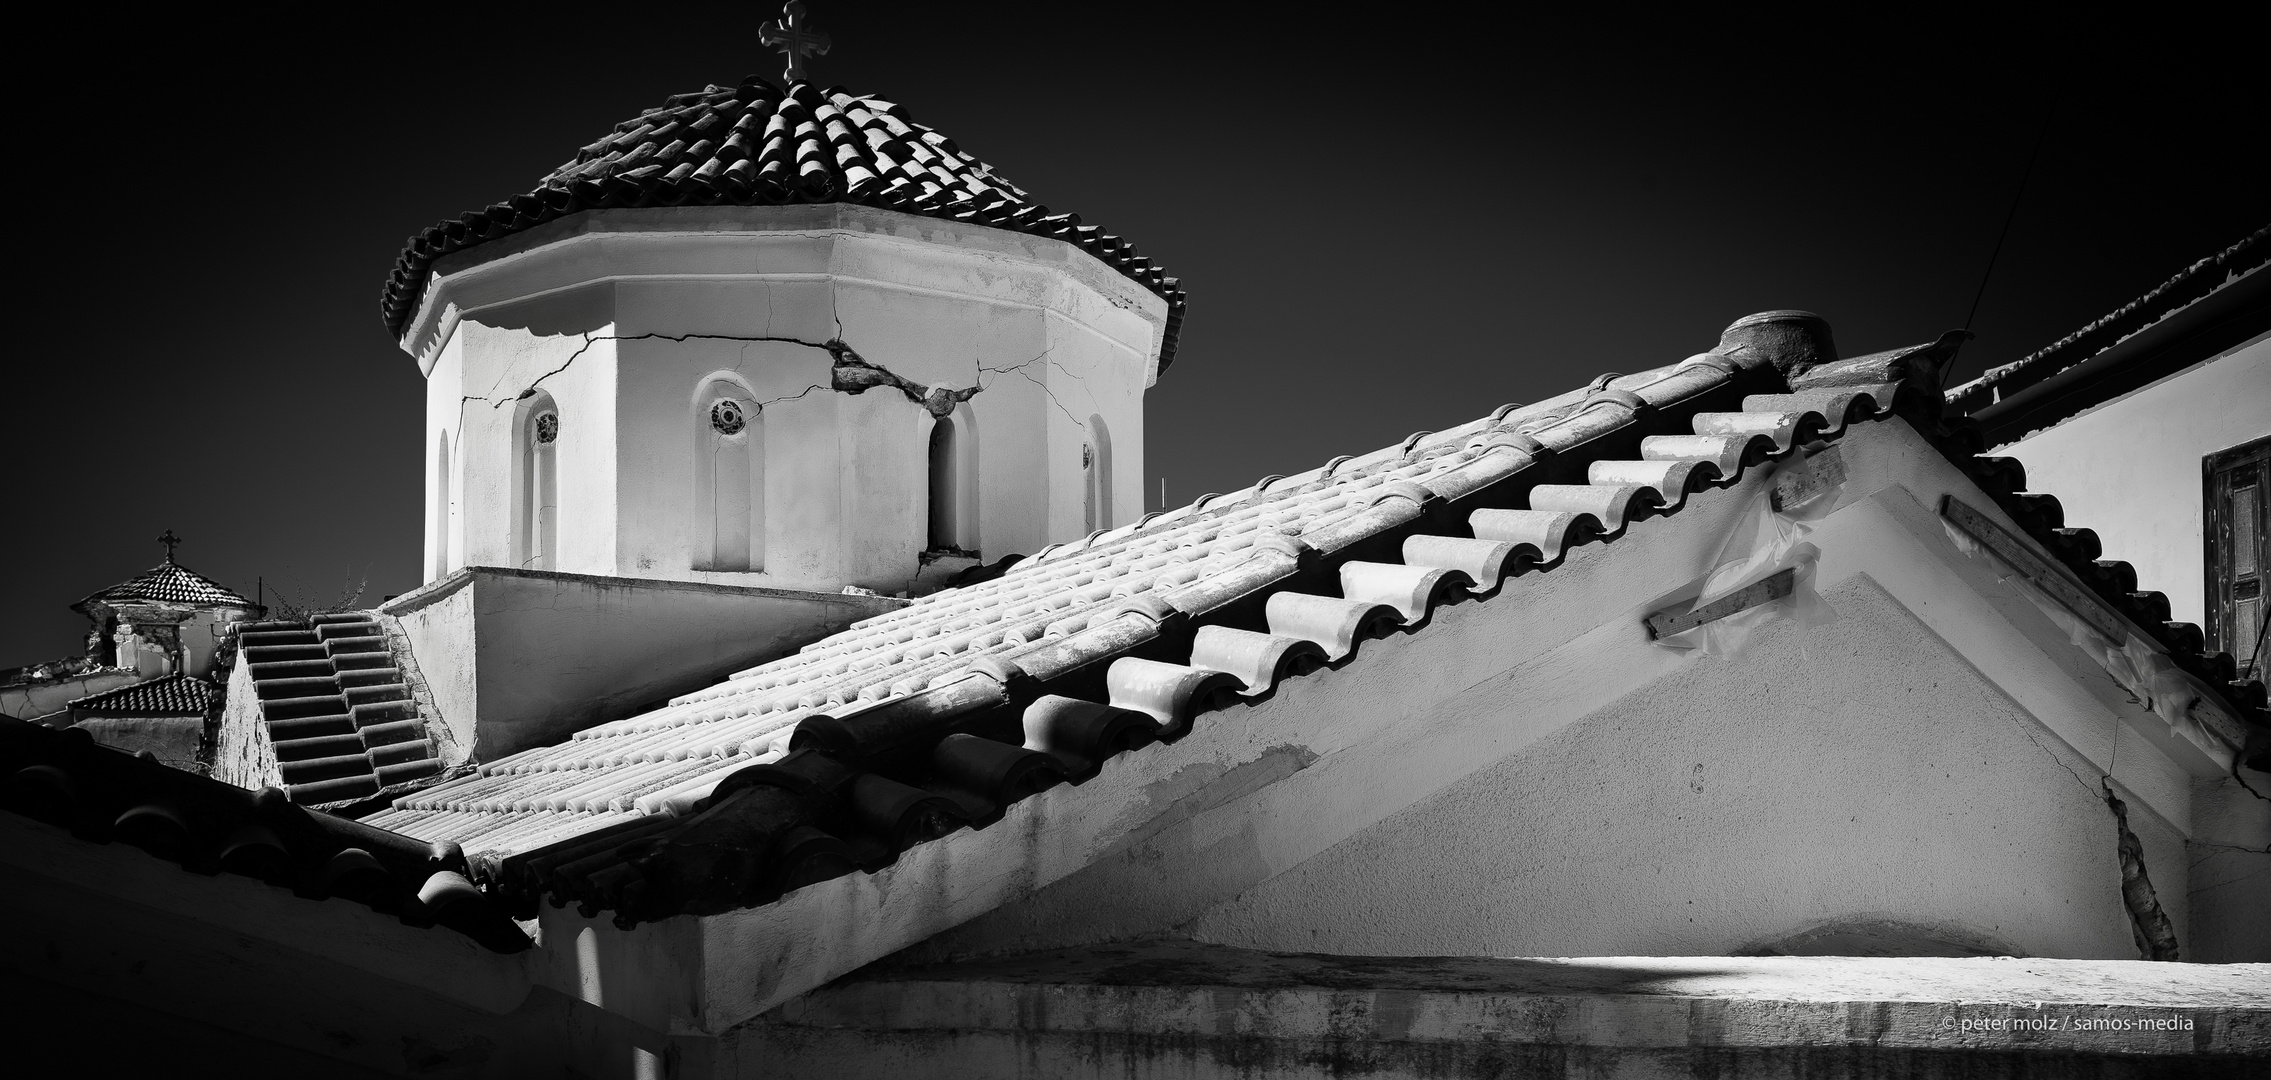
[1769, 536]
[2136, 665]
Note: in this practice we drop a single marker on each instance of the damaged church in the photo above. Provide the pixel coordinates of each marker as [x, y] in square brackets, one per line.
[798, 686]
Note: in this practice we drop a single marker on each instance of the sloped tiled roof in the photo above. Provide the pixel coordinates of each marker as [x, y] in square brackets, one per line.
[760, 145]
[916, 722]
[2188, 287]
[172, 582]
[65, 779]
[167, 695]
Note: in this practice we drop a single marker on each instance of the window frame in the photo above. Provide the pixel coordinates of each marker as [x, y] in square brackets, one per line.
[2219, 555]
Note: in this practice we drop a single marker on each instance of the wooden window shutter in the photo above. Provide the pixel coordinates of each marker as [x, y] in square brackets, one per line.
[2236, 481]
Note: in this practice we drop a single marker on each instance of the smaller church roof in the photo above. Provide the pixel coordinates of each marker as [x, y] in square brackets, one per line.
[759, 144]
[167, 695]
[2190, 286]
[171, 583]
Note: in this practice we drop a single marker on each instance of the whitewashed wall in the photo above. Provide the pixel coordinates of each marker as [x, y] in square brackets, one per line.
[2130, 468]
[623, 316]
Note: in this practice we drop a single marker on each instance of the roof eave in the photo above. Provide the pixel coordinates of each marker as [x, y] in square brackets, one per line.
[2234, 314]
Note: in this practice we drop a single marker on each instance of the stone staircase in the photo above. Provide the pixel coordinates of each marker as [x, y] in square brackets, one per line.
[338, 712]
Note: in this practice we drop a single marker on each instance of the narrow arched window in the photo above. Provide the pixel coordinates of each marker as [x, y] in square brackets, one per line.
[729, 479]
[440, 515]
[536, 483]
[1096, 476]
[944, 463]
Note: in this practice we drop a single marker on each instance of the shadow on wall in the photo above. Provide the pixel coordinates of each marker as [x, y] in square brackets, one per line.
[1880, 935]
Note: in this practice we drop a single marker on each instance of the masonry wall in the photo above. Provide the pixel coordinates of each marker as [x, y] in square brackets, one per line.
[517, 658]
[171, 739]
[242, 754]
[2130, 468]
[30, 701]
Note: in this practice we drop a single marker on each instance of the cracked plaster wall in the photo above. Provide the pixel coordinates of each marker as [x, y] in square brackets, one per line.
[1482, 682]
[849, 340]
[1871, 772]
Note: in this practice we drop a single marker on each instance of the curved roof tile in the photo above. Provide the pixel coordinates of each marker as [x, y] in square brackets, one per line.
[761, 145]
[167, 695]
[1099, 646]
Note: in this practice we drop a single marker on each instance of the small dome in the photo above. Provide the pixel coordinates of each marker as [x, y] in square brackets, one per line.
[760, 145]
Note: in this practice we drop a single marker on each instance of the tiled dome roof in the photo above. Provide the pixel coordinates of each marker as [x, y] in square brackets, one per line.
[171, 582]
[760, 145]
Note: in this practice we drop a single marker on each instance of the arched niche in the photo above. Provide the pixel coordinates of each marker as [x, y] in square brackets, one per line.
[537, 432]
[1096, 476]
[951, 471]
[728, 428]
[441, 511]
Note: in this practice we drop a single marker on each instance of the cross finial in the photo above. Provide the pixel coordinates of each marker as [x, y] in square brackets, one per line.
[170, 541]
[794, 37]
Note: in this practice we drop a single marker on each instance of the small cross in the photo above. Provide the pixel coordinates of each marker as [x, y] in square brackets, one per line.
[791, 35]
[170, 541]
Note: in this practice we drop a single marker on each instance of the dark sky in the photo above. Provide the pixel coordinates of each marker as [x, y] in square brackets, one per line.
[1386, 224]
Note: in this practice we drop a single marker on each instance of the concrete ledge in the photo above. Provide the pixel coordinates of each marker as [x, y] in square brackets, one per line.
[432, 592]
[517, 658]
[1190, 1009]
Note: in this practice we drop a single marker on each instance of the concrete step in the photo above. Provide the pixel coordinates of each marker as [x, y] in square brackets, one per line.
[384, 712]
[322, 746]
[291, 669]
[336, 646]
[310, 770]
[339, 617]
[397, 753]
[278, 654]
[275, 637]
[267, 625]
[328, 791]
[276, 689]
[360, 628]
[373, 695]
[309, 727]
[386, 733]
[407, 771]
[370, 676]
[296, 707]
[360, 661]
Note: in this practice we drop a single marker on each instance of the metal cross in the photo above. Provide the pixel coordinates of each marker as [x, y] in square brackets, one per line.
[792, 36]
[170, 541]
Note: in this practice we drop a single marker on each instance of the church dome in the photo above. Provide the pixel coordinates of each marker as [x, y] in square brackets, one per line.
[758, 144]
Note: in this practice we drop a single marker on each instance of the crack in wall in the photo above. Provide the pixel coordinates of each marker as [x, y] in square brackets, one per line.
[2156, 938]
[848, 373]
[2149, 923]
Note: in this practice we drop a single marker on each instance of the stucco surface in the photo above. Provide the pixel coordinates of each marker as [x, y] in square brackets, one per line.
[2130, 469]
[2231, 869]
[1255, 793]
[1862, 768]
[518, 658]
[624, 323]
